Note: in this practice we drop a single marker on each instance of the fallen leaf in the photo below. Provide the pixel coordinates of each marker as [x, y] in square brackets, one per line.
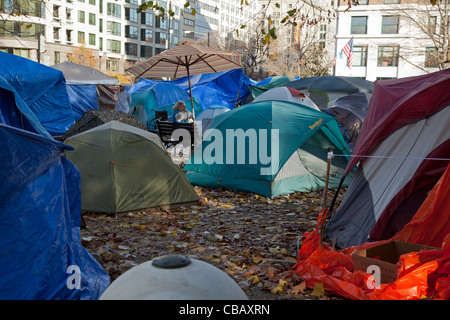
[318, 289]
[257, 259]
[279, 287]
[299, 288]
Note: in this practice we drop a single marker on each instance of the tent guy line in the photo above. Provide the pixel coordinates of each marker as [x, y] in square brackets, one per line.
[390, 157]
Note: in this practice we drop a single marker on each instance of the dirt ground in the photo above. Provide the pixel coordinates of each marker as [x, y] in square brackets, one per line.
[251, 238]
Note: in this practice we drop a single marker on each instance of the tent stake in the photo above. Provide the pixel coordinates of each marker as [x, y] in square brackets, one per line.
[324, 200]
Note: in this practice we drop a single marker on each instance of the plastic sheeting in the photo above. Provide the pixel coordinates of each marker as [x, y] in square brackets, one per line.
[16, 113]
[419, 274]
[149, 95]
[227, 88]
[43, 90]
[258, 88]
[88, 88]
[41, 256]
[82, 98]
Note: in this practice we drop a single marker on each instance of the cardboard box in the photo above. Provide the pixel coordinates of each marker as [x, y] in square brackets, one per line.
[385, 256]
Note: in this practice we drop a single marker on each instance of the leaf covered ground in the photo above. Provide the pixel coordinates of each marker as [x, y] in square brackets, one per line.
[254, 239]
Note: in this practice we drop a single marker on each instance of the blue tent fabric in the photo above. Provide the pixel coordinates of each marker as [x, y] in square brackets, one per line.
[43, 90]
[82, 98]
[16, 113]
[40, 207]
[149, 95]
[227, 88]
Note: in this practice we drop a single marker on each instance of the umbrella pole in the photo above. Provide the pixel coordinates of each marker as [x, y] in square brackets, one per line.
[190, 93]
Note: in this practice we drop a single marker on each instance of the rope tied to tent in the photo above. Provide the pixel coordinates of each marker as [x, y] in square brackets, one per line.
[392, 157]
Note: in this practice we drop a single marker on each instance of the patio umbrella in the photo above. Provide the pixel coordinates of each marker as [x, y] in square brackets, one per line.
[186, 59]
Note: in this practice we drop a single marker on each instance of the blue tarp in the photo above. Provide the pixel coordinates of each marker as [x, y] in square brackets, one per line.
[87, 88]
[82, 98]
[41, 254]
[149, 95]
[15, 112]
[42, 89]
[227, 88]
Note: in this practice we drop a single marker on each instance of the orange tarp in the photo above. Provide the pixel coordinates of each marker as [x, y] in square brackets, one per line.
[419, 274]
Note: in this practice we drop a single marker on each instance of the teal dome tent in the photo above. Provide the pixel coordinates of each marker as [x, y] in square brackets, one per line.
[269, 148]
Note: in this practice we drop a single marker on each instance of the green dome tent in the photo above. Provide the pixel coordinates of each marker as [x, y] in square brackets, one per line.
[124, 168]
[269, 148]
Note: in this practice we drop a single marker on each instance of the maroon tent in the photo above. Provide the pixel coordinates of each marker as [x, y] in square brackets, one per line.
[403, 149]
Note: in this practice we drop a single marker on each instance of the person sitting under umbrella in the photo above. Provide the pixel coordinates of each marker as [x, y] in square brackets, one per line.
[180, 114]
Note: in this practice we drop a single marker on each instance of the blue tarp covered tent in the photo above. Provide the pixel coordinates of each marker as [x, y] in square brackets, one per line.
[226, 88]
[88, 88]
[42, 89]
[41, 256]
[15, 112]
[149, 95]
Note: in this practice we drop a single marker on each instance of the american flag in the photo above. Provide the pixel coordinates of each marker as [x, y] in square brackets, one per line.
[348, 51]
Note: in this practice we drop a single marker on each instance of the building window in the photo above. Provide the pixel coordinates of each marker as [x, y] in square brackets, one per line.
[431, 57]
[131, 49]
[113, 28]
[81, 37]
[100, 6]
[131, 14]
[174, 24]
[57, 57]
[359, 25]
[160, 37]
[113, 46]
[359, 56]
[92, 19]
[146, 51]
[69, 36]
[161, 23]
[189, 35]
[147, 18]
[391, 1]
[363, 2]
[146, 35]
[27, 8]
[188, 22]
[112, 65]
[55, 33]
[92, 2]
[432, 23]
[113, 9]
[17, 52]
[81, 17]
[389, 24]
[92, 39]
[100, 44]
[131, 32]
[100, 25]
[22, 30]
[388, 56]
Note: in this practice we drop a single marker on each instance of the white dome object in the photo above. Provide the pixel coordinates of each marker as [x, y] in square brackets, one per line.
[174, 277]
